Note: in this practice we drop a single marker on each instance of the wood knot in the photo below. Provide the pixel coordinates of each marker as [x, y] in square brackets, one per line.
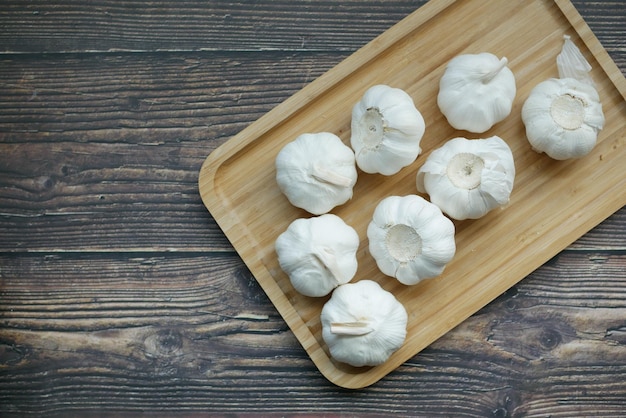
[11, 354]
[164, 343]
[43, 184]
[134, 103]
[549, 339]
[500, 413]
[506, 404]
[531, 337]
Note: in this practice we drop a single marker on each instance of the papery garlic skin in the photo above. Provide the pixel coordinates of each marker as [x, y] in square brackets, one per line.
[410, 238]
[467, 178]
[316, 172]
[363, 324]
[571, 63]
[386, 130]
[476, 91]
[563, 118]
[318, 254]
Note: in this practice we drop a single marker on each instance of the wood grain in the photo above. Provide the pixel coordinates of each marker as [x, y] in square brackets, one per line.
[237, 181]
[155, 344]
[283, 25]
[108, 26]
[119, 297]
[126, 148]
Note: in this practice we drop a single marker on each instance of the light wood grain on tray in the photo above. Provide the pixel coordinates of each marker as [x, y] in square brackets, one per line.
[552, 203]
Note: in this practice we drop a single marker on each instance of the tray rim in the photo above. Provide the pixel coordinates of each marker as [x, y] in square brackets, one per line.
[308, 94]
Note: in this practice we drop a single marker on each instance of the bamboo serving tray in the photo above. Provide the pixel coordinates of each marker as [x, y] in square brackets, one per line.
[552, 204]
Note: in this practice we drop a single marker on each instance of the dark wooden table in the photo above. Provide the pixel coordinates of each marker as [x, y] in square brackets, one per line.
[119, 295]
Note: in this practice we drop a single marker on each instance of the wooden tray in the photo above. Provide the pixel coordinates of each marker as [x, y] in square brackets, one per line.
[552, 204]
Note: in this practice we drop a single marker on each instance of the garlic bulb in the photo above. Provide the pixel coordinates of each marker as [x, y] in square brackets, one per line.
[467, 178]
[363, 324]
[476, 91]
[410, 238]
[316, 172]
[318, 254]
[563, 116]
[386, 130]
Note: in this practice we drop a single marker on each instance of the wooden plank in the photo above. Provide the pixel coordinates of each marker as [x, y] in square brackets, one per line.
[105, 25]
[119, 155]
[100, 291]
[187, 333]
[147, 99]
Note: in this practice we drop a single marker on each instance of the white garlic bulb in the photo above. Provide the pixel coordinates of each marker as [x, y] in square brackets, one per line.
[410, 238]
[316, 172]
[467, 178]
[363, 324]
[563, 116]
[318, 254]
[476, 91]
[386, 130]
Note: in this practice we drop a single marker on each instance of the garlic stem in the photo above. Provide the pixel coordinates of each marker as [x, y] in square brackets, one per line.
[328, 260]
[490, 75]
[351, 328]
[325, 175]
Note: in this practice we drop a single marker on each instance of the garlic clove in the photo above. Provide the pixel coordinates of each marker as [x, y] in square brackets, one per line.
[316, 172]
[410, 239]
[363, 324]
[467, 178]
[403, 120]
[378, 249]
[386, 130]
[407, 272]
[476, 91]
[318, 254]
